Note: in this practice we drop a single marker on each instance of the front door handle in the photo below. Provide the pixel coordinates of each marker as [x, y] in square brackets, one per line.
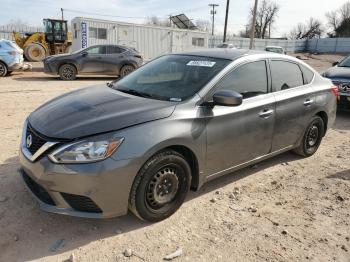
[308, 102]
[266, 113]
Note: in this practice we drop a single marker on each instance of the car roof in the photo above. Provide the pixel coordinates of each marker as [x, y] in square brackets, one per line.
[121, 46]
[273, 46]
[222, 53]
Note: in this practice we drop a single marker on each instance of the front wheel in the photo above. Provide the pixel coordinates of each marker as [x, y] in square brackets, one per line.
[312, 138]
[67, 72]
[160, 187]
[3, 69]
[125, 70]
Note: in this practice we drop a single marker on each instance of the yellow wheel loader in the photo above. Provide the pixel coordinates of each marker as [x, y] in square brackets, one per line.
[54, 40]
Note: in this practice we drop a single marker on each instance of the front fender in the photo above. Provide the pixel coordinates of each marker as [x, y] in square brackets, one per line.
[145, 140]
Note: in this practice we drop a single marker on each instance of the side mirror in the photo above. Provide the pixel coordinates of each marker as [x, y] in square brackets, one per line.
[335, 63]
[227, 98]
[84, 53]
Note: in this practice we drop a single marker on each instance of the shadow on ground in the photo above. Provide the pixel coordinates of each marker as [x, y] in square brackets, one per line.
[344, 175]
[48, 229]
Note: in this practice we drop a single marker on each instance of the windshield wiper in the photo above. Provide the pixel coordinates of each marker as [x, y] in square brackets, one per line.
[135, 93]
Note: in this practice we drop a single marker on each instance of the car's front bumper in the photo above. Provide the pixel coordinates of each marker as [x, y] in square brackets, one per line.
[95, 190]
[49, 69]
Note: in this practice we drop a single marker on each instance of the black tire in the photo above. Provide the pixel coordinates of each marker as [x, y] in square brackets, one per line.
[126, 69]
[160, 187]
[312, 138]
[3, 69]
[67, 72]
[35, 52]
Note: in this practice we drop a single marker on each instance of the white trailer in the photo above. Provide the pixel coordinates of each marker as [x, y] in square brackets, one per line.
[150, 41]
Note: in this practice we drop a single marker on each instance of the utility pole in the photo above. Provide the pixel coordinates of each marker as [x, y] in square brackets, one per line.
[252, 32]
[226, 18]
[213, 13]
[62, 13]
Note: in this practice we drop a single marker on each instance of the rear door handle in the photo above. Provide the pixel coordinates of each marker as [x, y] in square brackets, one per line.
[308, 102]
[266, 113]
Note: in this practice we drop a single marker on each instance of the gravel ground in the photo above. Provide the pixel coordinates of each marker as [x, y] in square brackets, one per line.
[284, 209]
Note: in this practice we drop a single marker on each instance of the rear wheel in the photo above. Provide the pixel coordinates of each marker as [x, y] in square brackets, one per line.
[126, 69]
[160, 187]
[35, 52]
[67, 72]
[312, 138]
[3, 69]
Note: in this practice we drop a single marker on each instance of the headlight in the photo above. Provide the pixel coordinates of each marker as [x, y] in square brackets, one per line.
[86, 151]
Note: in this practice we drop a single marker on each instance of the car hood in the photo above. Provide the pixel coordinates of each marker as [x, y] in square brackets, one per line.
[95, 110]
[59, 56]
[337, 72]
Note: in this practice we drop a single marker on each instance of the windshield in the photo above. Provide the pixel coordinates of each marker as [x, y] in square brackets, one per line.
[79, 50]
[345, 62]
[274, 49]
[172, 77]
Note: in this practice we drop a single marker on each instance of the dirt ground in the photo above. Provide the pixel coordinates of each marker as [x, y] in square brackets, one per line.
[283, 209]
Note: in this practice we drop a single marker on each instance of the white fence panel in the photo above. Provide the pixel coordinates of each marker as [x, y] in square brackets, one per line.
[6, 30]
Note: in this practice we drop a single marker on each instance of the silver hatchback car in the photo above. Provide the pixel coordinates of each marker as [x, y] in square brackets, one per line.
[170, 126]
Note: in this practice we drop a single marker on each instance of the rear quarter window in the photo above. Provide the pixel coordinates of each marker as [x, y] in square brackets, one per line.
[308, 74]
[285, 75]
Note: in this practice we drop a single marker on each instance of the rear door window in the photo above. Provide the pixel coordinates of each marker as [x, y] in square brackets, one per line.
[249, 79]
[114, 50]
[285, 75]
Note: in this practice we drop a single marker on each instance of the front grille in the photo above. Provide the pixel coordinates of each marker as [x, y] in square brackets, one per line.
[37, 141]
[81, 203]
[37, 190]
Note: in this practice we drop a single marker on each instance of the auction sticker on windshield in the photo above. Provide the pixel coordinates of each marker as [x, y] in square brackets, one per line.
[201, 63]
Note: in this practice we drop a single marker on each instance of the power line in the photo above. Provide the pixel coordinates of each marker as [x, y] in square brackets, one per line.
[127, 17]
[99, 14]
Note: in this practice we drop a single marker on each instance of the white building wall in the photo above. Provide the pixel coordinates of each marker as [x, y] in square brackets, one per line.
[150, 41]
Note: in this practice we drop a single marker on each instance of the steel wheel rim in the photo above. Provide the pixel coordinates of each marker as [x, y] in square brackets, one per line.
[2, 69]
[67, 72]
[312, 136]
[163, 187]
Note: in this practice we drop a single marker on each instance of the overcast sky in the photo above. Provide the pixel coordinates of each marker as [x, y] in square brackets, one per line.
[291, 11]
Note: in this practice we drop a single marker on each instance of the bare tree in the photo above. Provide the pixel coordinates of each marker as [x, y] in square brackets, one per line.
[344, 11]
[333, 20]
[203, 25]
[17, 23]
[154, 20]
[339, 21]
[311, 29]
[265, 18]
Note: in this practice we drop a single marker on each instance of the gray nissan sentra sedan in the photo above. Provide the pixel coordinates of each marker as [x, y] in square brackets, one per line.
[170, 126]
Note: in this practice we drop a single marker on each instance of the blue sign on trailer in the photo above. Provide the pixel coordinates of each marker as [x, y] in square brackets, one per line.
[84, 35]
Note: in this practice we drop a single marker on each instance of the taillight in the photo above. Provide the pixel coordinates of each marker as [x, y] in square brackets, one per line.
[138, 56]
[12, 53]
[335, 91]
